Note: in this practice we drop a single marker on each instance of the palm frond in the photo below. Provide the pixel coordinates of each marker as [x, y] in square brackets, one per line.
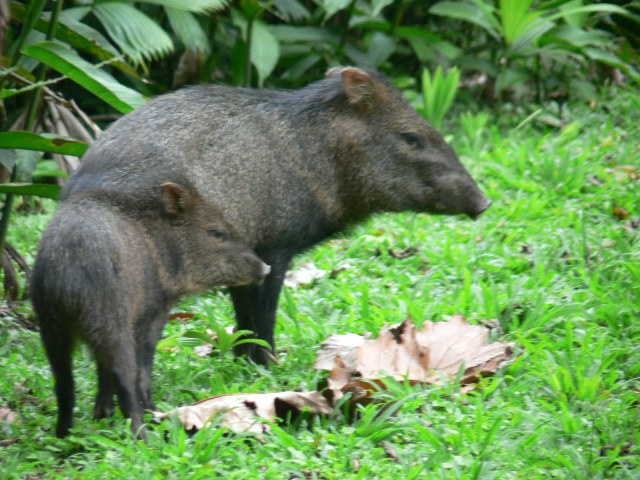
[137, 35]
[188, 30]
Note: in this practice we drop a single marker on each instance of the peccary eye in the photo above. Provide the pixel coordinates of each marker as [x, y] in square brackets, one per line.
[220, 233]
[412, 139]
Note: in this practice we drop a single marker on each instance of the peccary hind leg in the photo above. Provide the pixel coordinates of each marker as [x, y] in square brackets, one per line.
[146, 348]
[119, 357]
[59, 348]
[104, 398]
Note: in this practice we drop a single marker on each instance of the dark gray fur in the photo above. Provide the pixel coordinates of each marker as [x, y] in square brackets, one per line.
[289, 168]
[109, 267]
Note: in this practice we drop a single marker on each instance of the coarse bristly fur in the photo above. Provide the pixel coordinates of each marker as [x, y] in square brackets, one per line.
[109, 267]
[288, 168]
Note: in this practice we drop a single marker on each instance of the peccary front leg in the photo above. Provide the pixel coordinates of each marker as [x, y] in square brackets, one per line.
[256, 306]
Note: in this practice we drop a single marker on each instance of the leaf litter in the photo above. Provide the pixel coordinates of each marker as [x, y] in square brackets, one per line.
[434, 354]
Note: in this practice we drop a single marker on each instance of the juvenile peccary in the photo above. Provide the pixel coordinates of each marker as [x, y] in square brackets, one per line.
[289, 167]
[109, 267]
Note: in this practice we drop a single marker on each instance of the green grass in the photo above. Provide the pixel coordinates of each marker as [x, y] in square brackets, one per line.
[550, 261]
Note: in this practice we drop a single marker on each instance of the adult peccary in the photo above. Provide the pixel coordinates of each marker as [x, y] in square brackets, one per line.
[289, 168]
[109, 267]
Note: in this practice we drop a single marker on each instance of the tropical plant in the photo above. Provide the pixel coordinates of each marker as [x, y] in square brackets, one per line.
[438, 92]
[548, 43]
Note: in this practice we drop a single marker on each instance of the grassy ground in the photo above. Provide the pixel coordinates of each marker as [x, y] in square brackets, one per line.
[556, 261]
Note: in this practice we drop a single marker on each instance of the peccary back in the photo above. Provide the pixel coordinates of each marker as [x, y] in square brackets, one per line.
[108, 269]
[289, 168]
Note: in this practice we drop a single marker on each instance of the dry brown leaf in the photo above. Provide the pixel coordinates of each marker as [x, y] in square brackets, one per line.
[346, 346]
[404, 253]
[620, 213]
[242, 412]
[7, 415]
[404, 352]
[304, 276]
[395, 353]
[181, 316]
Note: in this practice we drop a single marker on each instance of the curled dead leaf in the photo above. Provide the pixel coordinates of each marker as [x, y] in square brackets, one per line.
[419, 356]
[303, 276]
[243, 412]
[346, 346]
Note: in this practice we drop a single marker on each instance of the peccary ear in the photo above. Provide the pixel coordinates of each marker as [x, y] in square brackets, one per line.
[361, 89]
[175, 198]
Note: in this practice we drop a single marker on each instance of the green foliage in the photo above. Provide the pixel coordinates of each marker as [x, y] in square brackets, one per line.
[438, 93]
[548, 43]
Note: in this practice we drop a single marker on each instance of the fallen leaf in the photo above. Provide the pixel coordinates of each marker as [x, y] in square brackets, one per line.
[346, 346]
[404, 253]
[304, 276]
[394, 353]
[242, 412]
[339, 269]
[620, 213]
[419, 356]
[181, 316]
[7, 415]
[455, 343]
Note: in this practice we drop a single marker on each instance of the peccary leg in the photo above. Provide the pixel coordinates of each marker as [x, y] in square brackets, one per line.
[59, 348]
[104, 398]
[120, 356]
[256, 306]
[243, 303]
[147, 341]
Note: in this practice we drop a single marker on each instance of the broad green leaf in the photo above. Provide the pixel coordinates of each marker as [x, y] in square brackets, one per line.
[515, 18]
[137, 35]
[473, 62]
[378, 5]
[292, 10]
[188, 30]
[36, 189]
[45, 142]
[510, 77]
[97, 81]
[290, 33]
[469, 13]
[576, 37]
[380, 49]
[301, 67]
[331, 7]
[529, 37]
[48, 168]
[613, 60]
[574, 19]
[195, 6]
[602, 8]
[428, 46]
[265, 50]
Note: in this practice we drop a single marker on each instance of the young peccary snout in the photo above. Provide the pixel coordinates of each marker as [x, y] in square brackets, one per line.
[107, 271]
